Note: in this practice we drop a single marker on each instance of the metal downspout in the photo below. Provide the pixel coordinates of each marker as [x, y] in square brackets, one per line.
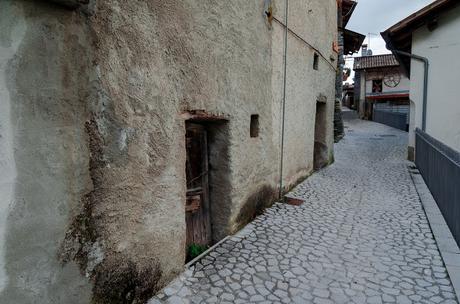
[425, 81]
[284, 100]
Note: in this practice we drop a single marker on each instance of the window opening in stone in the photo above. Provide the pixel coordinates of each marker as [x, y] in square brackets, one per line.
[315, 61]
[254, 128]
[377, 86]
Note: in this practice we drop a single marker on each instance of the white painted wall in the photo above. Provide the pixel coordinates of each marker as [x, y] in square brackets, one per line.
[402, 87]
[442, 48]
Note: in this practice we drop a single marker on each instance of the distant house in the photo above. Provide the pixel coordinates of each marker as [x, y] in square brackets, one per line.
[383, 89]
[427, 44]
[349, 42]
[348, 97]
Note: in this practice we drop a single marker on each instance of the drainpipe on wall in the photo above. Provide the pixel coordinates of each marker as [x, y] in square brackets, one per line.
[283, 112]
[425, 81]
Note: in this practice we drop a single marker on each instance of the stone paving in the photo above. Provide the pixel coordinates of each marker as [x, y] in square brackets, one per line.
[361, 237]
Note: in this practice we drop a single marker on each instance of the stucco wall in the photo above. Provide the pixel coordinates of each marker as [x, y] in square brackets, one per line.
[92, 133]
[43, 150]
[441, 47]
[304, 84]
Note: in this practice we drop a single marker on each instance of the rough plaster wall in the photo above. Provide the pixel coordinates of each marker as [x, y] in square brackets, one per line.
[107, 137]
[441, 46]
[205, 55]
[339, 131]
[304, 84]
[137, 166]
[233, 46]
[42, 91]
[154, 61]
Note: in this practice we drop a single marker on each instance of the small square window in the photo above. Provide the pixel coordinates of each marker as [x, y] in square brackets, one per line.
[254, 128]
[377, 86]
[315, 61]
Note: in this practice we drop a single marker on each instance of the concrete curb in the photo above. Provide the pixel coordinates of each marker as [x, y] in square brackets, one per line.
[205, 253]
[448, 248]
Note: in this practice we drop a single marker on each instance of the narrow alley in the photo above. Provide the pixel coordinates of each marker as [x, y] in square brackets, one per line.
[360, 237]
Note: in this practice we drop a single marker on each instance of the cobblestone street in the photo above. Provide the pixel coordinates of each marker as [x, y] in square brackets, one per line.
[360, 237]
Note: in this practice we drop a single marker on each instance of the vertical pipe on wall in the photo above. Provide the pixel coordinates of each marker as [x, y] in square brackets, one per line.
[425, 91]
[283, 111]
[426, 65]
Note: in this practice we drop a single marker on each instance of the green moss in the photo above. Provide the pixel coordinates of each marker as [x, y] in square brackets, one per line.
[194, 250]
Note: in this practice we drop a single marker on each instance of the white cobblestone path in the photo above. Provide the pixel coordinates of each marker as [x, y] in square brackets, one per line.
[361, 237]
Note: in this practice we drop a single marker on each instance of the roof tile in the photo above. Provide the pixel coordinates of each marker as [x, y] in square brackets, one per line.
[377, 61]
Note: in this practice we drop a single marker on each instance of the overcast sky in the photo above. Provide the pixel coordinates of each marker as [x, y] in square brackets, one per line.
[375, 16]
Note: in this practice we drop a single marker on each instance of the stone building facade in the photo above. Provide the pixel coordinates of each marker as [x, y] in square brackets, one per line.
[97, 98]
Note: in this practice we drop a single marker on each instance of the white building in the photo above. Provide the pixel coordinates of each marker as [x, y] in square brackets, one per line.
[433, 33]
[427, 44]
[382, 88]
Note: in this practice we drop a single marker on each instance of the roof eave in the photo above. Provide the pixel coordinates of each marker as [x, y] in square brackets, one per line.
[403, 63]
[412, 21]
[347, 15]
[399, 36]
[357, 40]
[377, 68]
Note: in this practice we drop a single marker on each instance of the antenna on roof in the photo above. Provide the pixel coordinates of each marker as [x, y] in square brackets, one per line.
[369, 38]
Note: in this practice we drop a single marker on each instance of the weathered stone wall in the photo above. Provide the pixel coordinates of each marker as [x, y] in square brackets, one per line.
[339, 131]
[92, 133]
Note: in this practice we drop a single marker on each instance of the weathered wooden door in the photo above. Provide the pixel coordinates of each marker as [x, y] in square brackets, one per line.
[197, 205]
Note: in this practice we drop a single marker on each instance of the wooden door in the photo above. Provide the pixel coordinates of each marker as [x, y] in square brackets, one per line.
[197, 211]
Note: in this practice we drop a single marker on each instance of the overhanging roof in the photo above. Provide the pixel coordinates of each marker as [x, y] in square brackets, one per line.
[352, 41]
[375, 62]
[70, 3]
[399, 36]
[348, 7]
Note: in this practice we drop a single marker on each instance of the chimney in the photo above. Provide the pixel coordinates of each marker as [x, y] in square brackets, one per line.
[364, 50]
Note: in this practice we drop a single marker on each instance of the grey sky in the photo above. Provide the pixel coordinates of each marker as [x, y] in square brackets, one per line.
[375, 16]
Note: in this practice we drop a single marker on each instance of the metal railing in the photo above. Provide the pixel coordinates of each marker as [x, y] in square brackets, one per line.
[440, 168]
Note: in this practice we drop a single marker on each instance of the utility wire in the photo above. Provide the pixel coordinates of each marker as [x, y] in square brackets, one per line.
[306, 42]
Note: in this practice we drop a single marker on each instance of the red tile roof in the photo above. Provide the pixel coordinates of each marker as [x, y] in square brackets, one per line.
[377, 61]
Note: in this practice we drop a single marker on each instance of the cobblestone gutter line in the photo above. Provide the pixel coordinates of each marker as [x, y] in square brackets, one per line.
[446, 243]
